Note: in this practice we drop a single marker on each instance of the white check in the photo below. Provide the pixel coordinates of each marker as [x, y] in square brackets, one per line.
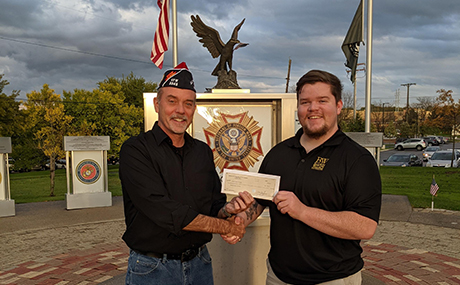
[262, 186]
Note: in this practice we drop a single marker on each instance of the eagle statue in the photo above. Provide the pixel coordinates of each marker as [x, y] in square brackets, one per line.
[211, 40]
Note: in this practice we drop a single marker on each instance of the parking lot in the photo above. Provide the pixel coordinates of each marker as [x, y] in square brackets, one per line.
[384, 154]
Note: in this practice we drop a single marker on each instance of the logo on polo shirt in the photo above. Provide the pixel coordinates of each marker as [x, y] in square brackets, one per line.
[234, 140]
[320, 163]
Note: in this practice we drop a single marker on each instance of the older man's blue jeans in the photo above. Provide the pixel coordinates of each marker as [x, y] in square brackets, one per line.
[144, 270]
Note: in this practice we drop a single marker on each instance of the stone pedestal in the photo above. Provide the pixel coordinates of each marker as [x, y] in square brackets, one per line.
[87, 181]
[6, 204]
[88, 200]
[244, 262]
[7, 208]
[226, 80]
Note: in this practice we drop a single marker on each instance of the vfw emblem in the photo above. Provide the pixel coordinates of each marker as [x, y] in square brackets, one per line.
[234, 140]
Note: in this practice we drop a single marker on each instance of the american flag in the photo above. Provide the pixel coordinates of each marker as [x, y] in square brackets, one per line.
[434, 187]
[161, 38]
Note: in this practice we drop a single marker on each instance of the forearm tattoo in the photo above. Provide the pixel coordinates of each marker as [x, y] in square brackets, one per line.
[252, 210]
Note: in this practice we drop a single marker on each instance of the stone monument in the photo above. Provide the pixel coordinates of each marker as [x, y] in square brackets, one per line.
[6, 203]
[86, 158]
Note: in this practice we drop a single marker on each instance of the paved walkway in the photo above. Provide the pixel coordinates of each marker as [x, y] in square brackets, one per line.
[45, 244]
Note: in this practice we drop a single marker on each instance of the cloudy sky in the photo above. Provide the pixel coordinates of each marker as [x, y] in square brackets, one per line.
[72, 44]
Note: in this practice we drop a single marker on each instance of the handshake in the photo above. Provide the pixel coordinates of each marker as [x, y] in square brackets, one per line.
[234, 210]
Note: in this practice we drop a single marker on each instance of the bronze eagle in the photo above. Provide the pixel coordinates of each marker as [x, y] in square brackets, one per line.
[210, 39]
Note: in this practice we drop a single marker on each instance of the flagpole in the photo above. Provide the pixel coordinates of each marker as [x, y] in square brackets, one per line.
[174, 23]
[362, 37]
[367, 122]
[432, 200]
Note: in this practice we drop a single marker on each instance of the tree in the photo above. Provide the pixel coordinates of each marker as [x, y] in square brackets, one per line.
[347, 109]
[435, 118]
[357, 125]
[27, 156]
[446, 114]
[132, 88]
[382, 115]
[424, 108]
[103, 112]
[426, 105]
[376, 116]
[390, 130]
[11, 118]
[12, 124]
[406, 130]
[45, 114]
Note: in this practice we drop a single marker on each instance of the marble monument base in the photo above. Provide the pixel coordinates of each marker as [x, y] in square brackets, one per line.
[7, 208]
[88, 200]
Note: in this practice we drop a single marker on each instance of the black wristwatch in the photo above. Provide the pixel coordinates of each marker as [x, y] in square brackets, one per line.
[227, 214]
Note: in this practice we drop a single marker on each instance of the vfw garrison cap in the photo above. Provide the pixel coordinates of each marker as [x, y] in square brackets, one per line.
[178, 77]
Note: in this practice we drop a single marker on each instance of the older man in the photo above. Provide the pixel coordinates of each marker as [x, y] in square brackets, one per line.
[171, 193]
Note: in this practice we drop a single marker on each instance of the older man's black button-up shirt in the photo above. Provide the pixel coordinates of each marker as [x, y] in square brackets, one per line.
[164, 189]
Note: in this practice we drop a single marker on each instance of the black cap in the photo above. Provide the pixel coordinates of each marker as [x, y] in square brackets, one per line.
[178, 77]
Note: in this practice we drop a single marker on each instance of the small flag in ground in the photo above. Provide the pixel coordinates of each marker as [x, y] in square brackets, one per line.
[161, 38]
[434, 187]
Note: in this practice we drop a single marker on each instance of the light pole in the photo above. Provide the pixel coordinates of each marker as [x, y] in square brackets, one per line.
[407, 106]
[383, 116]
[354, 87]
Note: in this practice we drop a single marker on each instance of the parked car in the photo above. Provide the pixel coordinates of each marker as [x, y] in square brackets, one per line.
[431, 140]
[440, 139]
[443, 158]
[428, 152]
[60, 164]
[398, 140]
[417, 143]
[112, 160]
[14, 166]
[11, 164]
[403, 160]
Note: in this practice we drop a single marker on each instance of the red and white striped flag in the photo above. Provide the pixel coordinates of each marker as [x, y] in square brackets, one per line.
[161, 38]
[434, 187]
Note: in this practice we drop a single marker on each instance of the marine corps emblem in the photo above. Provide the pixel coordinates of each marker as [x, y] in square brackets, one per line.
[88, 171]
[234, 140]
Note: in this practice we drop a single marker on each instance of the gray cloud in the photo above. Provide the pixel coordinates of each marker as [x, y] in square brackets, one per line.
[74, 44]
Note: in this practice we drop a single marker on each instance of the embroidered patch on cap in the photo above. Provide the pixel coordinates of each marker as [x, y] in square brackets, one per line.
[179, 77]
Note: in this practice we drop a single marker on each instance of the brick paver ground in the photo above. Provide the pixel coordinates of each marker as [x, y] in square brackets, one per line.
[88, 266]
[401, 265]
[389, 263]
[35, 249]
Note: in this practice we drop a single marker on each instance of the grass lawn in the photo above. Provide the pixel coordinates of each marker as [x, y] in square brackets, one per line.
[414, 182]
[35, 186]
